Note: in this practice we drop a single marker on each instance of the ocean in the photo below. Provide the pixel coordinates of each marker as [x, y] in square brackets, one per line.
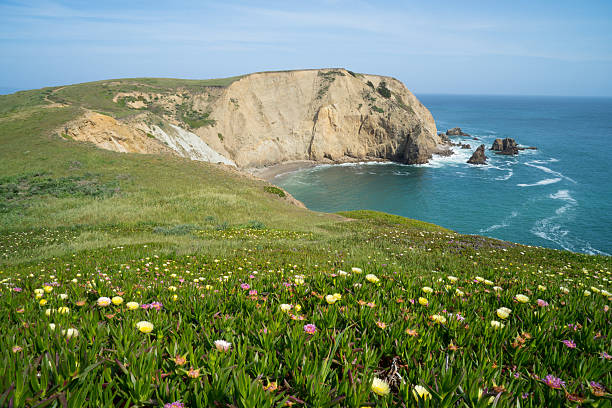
[559, 196]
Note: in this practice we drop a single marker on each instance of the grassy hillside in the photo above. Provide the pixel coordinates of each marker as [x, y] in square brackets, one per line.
[227, 260]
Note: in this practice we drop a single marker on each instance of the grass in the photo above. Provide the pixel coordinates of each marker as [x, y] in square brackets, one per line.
[230, 259]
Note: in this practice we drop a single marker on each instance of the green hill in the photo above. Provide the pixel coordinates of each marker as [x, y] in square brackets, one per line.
[223, 253]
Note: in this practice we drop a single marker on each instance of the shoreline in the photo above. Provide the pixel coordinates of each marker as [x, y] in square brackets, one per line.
[269, 173]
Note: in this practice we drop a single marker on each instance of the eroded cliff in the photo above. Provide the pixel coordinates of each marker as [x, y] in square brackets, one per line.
[268, 118]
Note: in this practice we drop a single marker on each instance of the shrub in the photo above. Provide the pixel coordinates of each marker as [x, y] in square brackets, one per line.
[275, 190]
[383, 90]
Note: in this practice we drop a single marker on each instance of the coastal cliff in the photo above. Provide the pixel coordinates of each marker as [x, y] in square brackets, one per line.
[263, 119]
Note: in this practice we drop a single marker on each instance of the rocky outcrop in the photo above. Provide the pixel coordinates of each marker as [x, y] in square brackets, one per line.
[506, 146]
[456, 132]
[479, 156]
[263, 119]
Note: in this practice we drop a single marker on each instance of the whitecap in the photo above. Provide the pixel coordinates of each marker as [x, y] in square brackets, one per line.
[535, 164]
[541, 182]
[505, 223]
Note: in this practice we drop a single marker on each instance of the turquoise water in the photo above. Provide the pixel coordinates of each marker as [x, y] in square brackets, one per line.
[559, 196]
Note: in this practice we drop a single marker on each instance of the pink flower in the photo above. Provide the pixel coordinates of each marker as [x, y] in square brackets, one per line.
[542, 303]
[253, 292]
[245, 286]
[310, 328]
[569, 343]
[554, 382]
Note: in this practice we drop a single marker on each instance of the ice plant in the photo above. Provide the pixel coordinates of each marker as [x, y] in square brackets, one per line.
[104, 301]
[423, 301]
[554, 382]
[285, 307]
[144, 326]
[132, 305]
[569, 343]
[310, 328]
[420, 392]
[222, 345]
[331, 299]
[497, 325]
[372, 278]
[438, 319]
[356, 270]
[503, 312]
[542, 303]
[427, 289]
[117, 300]
[380, 387]
[522, 298]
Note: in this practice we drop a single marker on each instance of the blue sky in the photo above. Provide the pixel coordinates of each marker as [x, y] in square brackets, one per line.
[464, 47]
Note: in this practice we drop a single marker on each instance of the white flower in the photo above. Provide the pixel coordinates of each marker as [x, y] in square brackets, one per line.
[356, 270]
[372, 278]
[497, 325]
[222, 345]
[104, 301]
[285, 307]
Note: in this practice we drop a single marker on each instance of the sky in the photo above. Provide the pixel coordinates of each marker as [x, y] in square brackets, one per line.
[535, 47]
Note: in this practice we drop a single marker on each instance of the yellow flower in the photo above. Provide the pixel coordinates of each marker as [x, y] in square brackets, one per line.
[117, 300]
[497, 325]
[39, 291]
[144, 326]
[208, 287]
[438, 319]
[427, 289]
[503, 312]
[421, 392]
[372, 278]
[522, 298]
[459, 292]
[297, 308]
[63, 310]
[586, 293]
[423, 301]
[47, 288]
[541, 287]
[331, 299]
[453, 279]
[172, 288]
[104, 301]
[488, 282]
[132, 305]
[42, 302]
[337, 296]
[49, 311]
[356, 270]
[175, 297]
[380, 387]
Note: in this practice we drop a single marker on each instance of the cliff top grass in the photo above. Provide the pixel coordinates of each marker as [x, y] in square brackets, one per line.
[210, 257]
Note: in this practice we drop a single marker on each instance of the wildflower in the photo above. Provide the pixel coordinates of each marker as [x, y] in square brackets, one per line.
[104, 301]
[52, 326]
[522, 298]
[272, 386]
[497, 325]
[554, 382]
[569, 343]
[252, 292]
[222, 345]
[132, 305]
[297, 308]
[479, 279]
[356, 270]
[63, 296]
[542, 303]
[70, 333]
[597, 389]
[381, 325]
[245, 286]
[497, 288]
[541, 287]
[49, 311]
[488, 282]
[421, 392]
[174, 298]
[331, 299]
[193, 373]
[459, 293]
[438, 319]
[380, 387]
[117, 300]
[337, 296]
[144, 326]
[176, 404]
[47, 288]
[310, 328]
[342, 273]
[208, 287]
[16, 349]
[63, 310]
[427, 289]
[285, 307]
[42, 302]
[605, 355]
[179, 360]
[564, 290]
[172, 288]
[372, 278]
[39, 291]
[423, 301]
[453, 279]
[503, 312]
[80, 303]
[587, 293]
[412, 332]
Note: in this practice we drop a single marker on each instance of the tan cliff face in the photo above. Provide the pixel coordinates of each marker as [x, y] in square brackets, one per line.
[268, 118]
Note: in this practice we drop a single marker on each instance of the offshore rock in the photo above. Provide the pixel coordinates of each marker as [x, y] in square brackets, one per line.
[479, 156]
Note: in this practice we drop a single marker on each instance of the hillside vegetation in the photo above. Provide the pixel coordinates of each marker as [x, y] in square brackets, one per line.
[135, 280]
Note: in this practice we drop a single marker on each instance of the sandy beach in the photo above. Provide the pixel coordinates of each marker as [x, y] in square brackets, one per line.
[269, 173]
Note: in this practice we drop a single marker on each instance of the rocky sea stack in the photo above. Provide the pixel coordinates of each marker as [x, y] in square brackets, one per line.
[479, 156]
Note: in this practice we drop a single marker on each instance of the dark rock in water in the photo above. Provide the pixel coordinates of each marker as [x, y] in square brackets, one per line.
[445, 153]
[444, 138]
[456, 132]
[479, 156]
[465, 146]
[528, 148]
[506, 146]
[475, 138]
